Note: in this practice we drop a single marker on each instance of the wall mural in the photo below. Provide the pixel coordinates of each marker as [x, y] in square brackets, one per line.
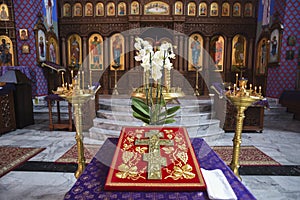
[6, 52]
[74, 51]
[96, 52]
[50, 15]
[195, 52]
[117, 51]
[262, 56]
[216, 51]
[4, 14]
[156, 8]
[53, 50]
[238, 53]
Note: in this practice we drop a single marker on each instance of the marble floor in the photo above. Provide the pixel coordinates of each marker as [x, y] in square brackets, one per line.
[280, 140]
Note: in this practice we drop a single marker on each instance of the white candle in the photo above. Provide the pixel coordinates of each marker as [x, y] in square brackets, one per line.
[78, 79]
[72, 74]
[63, 80]
[82, 79]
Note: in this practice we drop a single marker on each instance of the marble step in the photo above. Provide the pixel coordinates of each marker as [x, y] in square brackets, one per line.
[180, 116]
[112, 128]
[124, 105]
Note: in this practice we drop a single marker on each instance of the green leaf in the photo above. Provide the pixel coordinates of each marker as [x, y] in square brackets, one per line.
[140, 112]
[170, 111]
[140, 105]
[138, 116]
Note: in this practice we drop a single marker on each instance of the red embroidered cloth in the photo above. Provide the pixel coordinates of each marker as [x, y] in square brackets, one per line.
[154, 159]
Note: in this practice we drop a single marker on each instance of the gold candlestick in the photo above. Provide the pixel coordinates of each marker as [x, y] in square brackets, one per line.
[77, 97]
[242, 99]
[196, 93]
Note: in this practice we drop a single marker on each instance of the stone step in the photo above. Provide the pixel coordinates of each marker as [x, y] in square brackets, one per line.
[180, 116]
[108, 127]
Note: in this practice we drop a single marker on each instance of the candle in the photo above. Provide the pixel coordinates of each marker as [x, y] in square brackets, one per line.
[63, 80]
[259, 89]
[72, 74]
[255, 88]
[250, 86]
[91, 78]
[236, 78]
[82, 79]
[78, 79]
[234, 86]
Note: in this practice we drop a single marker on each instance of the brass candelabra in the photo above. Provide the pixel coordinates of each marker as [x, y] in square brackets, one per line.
[241, 98]
[77, 96]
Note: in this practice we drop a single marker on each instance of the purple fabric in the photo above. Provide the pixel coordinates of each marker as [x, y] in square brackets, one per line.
[263, 103]
[54, 97]
[7, 88]
[91, 183]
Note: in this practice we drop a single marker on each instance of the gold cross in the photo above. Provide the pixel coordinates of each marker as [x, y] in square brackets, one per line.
[153, 157]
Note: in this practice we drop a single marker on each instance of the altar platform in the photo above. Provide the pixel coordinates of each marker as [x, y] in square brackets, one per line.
[90, 185]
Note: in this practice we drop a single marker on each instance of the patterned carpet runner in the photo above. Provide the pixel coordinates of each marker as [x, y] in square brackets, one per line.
[249, 156]
[12, 157]
[71, 155]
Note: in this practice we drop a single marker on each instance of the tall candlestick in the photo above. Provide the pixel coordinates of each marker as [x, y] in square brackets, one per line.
[63, 80]
[236, 78]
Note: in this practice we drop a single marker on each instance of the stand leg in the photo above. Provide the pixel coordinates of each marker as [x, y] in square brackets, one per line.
[115, 92]
[79, 140]
[196, 86]
[234, 165]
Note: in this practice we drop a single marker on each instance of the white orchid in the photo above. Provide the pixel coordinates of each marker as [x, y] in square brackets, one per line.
[153, 63]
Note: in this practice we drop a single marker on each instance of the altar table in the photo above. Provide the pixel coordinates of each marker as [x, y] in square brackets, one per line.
[91, 182]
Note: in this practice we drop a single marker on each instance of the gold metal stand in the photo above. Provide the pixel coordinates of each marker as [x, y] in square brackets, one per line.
[196, 93]
[241, 99]
[115, 92]
[77, 97]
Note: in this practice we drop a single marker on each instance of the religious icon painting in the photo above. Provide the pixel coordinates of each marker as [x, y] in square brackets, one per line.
[117, 52]
[261, 57]
[122, 9]
[53, 55]
[202, 9]
[74, 51]
[4, 13]
[77, 10]
[248, 10]
[99, 9]
[216, 52]
[225, 9]
[135, 8]
[195, 52]
[238, 61]
[23, 34]
[191, 9]
[88, 9]
[236, 11]
[41, 46]
[178, 8]
[67, 10]
[291, 40]
[274, 46]
[214, 9]
[96, 52]
[156, 8]
[111, 10]
[5, 46]
[25, 49]
[290, 55]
